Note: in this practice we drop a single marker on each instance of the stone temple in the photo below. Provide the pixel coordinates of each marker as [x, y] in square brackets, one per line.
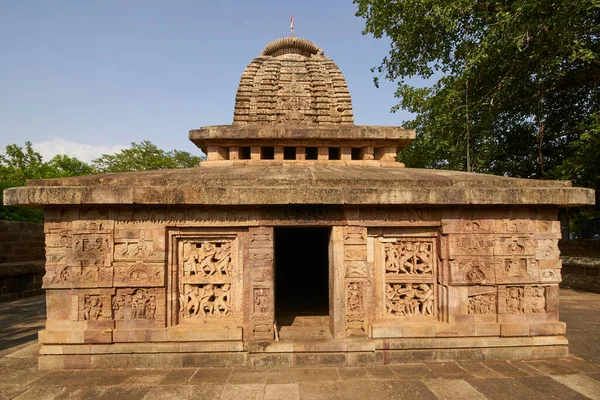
[300, 241]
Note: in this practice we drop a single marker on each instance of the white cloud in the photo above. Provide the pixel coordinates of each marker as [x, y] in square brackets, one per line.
[84, 152]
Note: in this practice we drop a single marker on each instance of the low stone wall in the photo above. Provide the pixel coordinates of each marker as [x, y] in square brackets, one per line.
[580, 264]
[22, 259]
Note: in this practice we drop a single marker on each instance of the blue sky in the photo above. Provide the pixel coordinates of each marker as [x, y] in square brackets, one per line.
[84, 77]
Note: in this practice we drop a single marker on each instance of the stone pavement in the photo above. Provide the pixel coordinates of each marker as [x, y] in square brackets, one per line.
[574, 377]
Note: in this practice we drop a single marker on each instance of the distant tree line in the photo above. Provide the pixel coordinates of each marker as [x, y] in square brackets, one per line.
[21, 163]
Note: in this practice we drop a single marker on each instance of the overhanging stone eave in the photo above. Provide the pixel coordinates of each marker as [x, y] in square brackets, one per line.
[346, 132]
[39, 196]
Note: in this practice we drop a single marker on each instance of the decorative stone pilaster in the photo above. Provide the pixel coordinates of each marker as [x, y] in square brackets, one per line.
[260, 262]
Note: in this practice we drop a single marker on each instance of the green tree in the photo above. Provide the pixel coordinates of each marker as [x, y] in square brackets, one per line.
[19, 164]
[145, 156]
[519, 88]
[62, 165]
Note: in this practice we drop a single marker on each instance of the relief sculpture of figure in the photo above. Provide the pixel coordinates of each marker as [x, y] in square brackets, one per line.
[118, 306]
[261, 301]
[407, 260]
[538, 302]
[514, 301]
[206, 303]
[223, 260]
[92, 308]
[221, 305]
[189, 262]
[392, 258]
[189, 301]
[354, 303]
[150, 307]
[423, 259]
[426, 298]
[205, 258]
[390, 295]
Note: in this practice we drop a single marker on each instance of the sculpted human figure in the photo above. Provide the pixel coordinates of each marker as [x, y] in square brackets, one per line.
[205, 258]
[538, 301]
[423, 258]
[260, 301]
[408, 301]
[392, 258]
[150, 307]
[407, 259]
[354, 298]
[514, 301]
[390, 294]
[206, 305]
[92, 309]
[118, 306]
[222, 259]
[426, 297]
[222, 299]
[190, 261]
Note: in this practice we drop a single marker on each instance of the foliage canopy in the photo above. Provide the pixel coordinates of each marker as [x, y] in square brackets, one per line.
[518, 90]
[19, 164]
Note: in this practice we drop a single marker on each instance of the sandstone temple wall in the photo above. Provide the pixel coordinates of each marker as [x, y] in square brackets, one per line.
[128, 275]
[21, 259]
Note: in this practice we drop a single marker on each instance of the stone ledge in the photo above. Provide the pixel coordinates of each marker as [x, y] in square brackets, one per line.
[300, 132]
[301, 360]
[228, 195]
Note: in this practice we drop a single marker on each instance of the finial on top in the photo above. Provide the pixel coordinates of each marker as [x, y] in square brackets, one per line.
[292, 25]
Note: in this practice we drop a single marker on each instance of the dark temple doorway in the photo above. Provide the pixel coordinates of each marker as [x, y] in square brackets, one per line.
[301, 273]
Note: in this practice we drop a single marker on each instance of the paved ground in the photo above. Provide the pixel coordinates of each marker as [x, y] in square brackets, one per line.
[575, 377]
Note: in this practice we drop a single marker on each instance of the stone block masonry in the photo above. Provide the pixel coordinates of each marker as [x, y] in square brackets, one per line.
[21, 259]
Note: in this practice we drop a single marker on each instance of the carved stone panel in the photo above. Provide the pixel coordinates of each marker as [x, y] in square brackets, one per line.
[522, 299]
[135, 304]
[516, 270]
[472, 271]
[78, 255]
[409, 257]
[514, 246]
[547, 249]
[94, 307]
[355, 252]
[139, 274]
[355, 309]
[471, 245]
[483, 304]
[410, 300]
[206, 274]
[205, 300]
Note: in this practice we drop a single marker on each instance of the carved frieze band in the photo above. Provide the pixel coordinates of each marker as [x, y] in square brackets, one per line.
[123, 304]
[511, 299]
